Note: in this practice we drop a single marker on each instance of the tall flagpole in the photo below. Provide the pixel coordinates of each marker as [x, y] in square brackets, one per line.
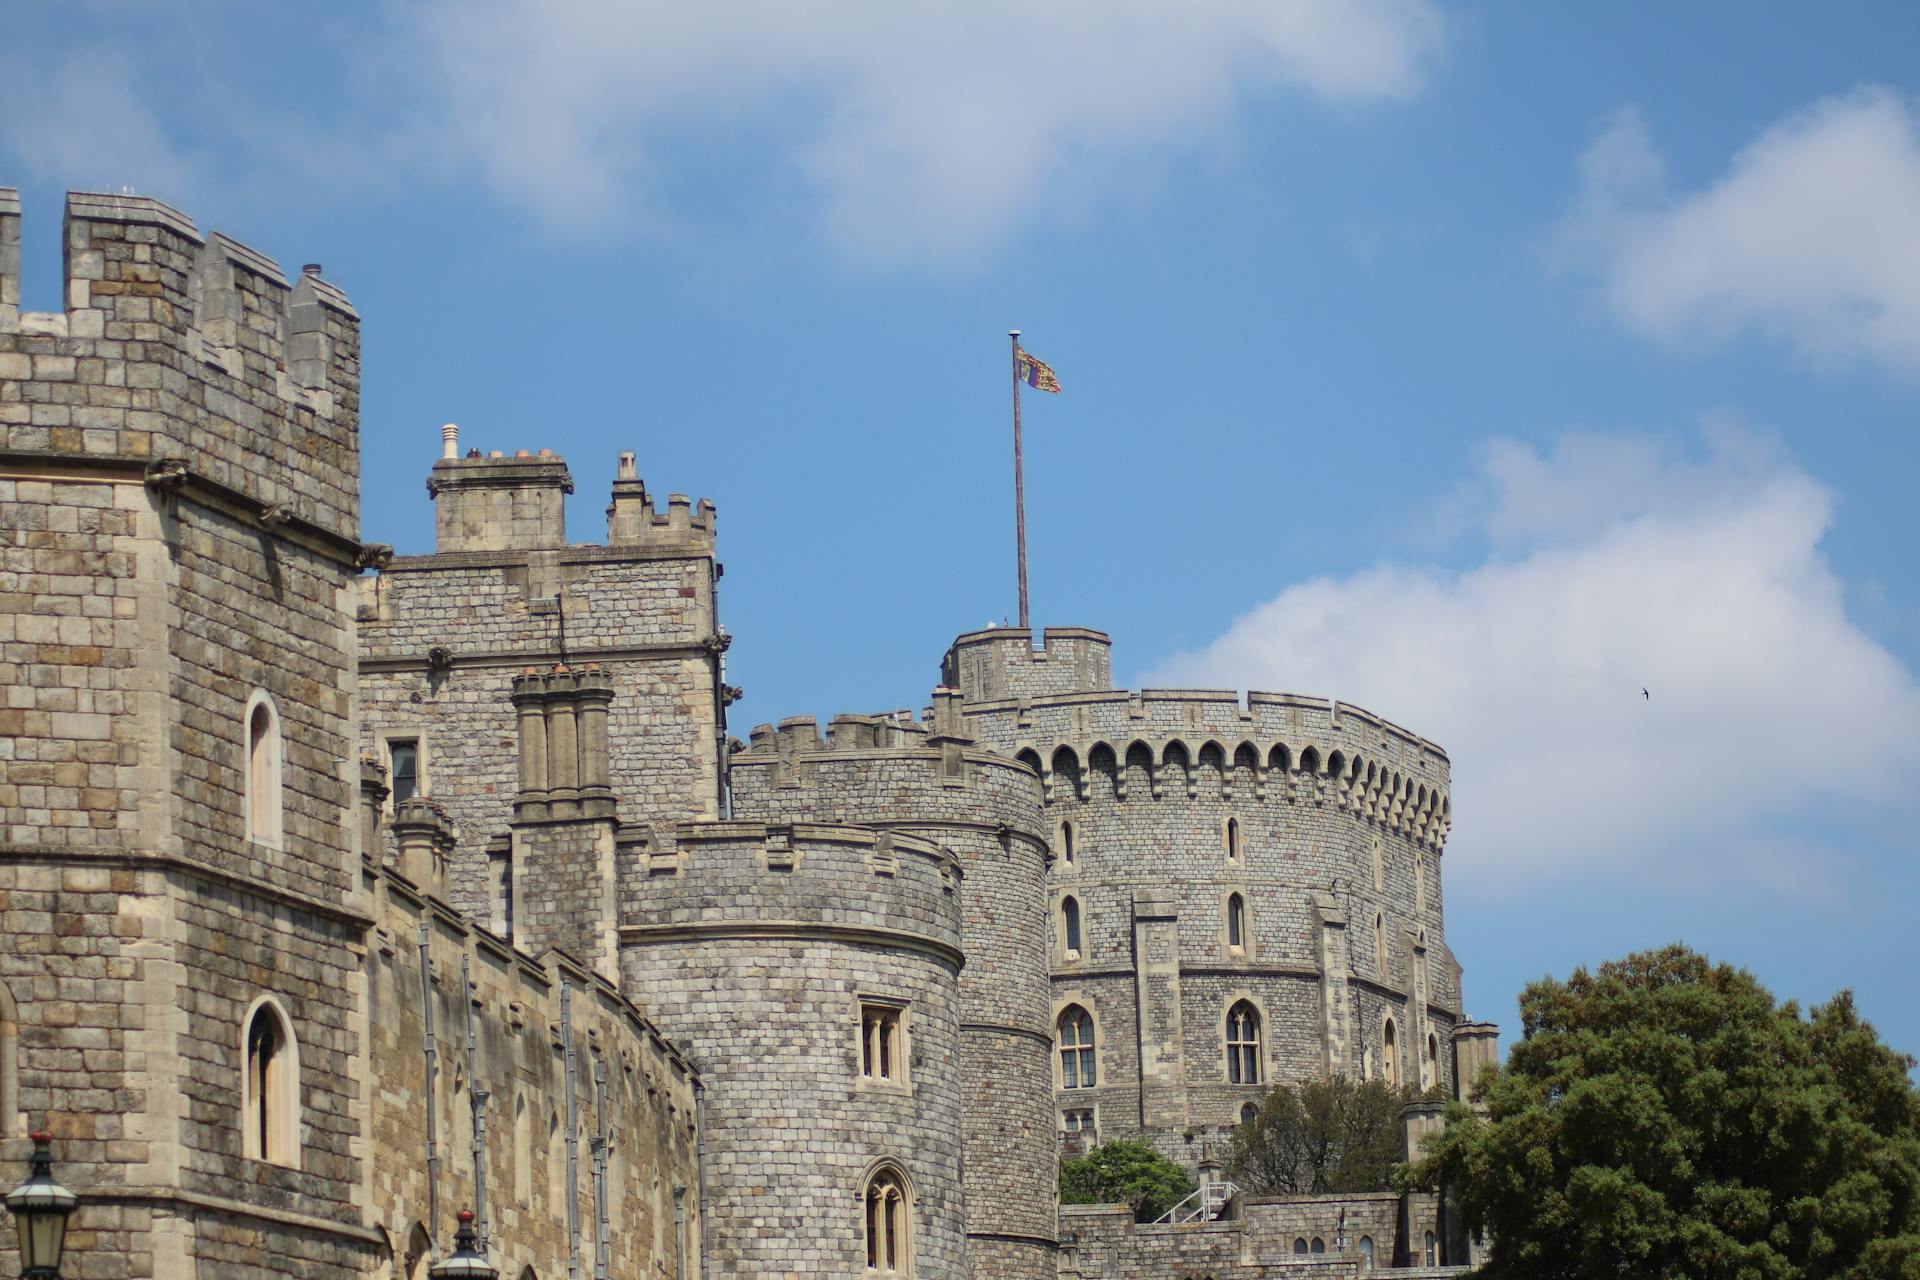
[1019, 481]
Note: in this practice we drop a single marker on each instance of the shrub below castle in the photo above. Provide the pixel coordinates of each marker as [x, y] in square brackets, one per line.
[1129, 1173]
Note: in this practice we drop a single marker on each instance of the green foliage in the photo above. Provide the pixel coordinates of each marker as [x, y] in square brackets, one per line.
[1129, 1173]
[1321, 1137]
[1666, 1118]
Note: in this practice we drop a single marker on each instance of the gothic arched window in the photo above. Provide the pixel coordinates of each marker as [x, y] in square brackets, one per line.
[1389, 1056]
[1070, 927]
[1236, 921]
[270, 1088]
[1077, 1065]
[1243, 1044]
[262, 771]
[889, 1224]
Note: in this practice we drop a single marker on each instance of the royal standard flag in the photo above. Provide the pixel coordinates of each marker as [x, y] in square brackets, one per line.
[1037, 374]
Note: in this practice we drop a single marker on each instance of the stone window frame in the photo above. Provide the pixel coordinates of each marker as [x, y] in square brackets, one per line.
[1419, 883]
[1065, 931]
[406, 731]
[1091, 1109]
[1233, 840]
[1063, 840]
[1365, 1248]
[888, 1170]
[1262, 1049]
[902, 1079]
[1390, 1065]
[278, 1140]
[1069, 1000]
[1430, 1062]
[1244, 949]
[1382, 970]
[263, 771]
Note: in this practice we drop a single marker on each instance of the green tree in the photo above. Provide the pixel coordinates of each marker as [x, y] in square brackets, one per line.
[1130, 1173]
[1319, 1138]
[1665, 1117]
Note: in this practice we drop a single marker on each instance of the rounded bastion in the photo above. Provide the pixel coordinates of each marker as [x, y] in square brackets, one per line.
[1278, 855]
[894, 773]
[767, 950]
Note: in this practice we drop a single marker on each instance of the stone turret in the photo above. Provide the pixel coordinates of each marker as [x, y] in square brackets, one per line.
[928, 779]
[813, 972]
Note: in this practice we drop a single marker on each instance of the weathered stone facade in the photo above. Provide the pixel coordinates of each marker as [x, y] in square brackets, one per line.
[337, 901]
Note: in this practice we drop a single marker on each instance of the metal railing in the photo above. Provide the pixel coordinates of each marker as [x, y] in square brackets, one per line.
[1204, 1205]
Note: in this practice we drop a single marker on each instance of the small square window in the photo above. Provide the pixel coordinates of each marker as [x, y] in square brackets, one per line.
[883, 1043]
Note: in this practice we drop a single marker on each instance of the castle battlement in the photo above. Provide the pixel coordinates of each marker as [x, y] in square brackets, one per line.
[1003, 662]
[164, 328]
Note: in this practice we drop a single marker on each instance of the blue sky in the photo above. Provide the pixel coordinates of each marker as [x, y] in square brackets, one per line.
[1480, 365]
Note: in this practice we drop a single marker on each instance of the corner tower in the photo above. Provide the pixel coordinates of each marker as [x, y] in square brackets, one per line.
[1241, 892]
[929, 780]
[180, 477]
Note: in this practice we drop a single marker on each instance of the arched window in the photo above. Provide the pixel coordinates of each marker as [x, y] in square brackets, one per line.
[262, 799]
[1430, 1074]
[522, 1150]
[1433, 1250]
[1366, 1253]
[1236, 921]
[1243, 1044]
[1419, 885]
[889, 1227]
[1231, 837]
[1070, 927]
[1066, 843]
[270, 1087]
[1380, 944]
[1249, 1112]
[1077, 1065]
[419, 1245]
[1319, 1245]
[1299, 1244]
[1379, 872]
[1389, 1056]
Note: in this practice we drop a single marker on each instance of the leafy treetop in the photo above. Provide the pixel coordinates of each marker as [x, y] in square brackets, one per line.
[1665, 1117]
[1130, 1173]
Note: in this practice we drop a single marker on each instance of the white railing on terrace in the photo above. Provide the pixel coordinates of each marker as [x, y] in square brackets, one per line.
[1204, 1205]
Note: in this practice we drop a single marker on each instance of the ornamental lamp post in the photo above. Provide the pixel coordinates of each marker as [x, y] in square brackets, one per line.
[466, 1262]
[40, 1207]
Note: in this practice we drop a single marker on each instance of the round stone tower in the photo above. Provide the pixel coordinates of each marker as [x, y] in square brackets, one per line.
[1241, 893]
[813, 972]
[928, 780]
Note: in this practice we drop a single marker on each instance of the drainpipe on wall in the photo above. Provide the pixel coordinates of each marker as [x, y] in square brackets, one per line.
[700, 1168]
[573, 1140]
[433, 1093]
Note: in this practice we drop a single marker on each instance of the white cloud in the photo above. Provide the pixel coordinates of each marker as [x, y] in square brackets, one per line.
[919, 130]
[1622, 562]
[79, 119]
[1807, 239]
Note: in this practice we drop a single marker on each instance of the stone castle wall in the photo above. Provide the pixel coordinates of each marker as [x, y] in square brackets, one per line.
[756, 946]
[893, 773]
[540, 1205]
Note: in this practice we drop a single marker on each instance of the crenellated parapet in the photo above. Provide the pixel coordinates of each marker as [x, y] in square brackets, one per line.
[242, 386]
[1177, 744]
[1003, 662]
[632, 520]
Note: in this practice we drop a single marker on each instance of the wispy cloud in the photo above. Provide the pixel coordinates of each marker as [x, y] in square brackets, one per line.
[1619, 562]
[920, 133]
[1807, 239]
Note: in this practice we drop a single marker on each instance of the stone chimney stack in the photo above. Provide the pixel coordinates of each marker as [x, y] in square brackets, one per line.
[498, 503]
